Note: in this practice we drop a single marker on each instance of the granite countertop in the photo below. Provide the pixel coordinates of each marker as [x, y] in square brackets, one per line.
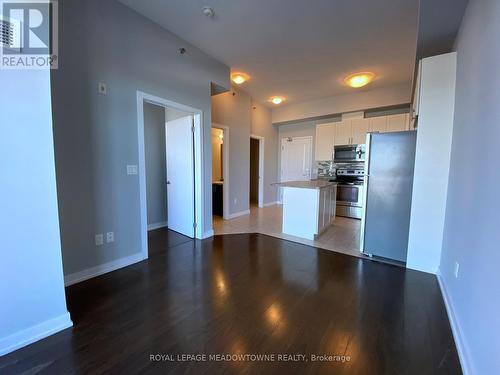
[312, 184]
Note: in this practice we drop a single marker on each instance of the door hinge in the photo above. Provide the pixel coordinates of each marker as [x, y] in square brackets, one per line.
[192, 128]
[194, 225]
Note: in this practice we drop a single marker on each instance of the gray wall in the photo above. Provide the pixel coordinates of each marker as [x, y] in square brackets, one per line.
[472, 235]
[234, 111]
[156, 168]
[32, 285]
[96, 135]
[263, 127]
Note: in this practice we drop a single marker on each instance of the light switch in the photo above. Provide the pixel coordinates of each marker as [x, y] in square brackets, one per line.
[132, 169]
[110, 237]
[99, 239]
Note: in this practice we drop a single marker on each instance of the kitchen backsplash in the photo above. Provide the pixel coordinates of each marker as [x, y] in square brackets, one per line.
[325, 169]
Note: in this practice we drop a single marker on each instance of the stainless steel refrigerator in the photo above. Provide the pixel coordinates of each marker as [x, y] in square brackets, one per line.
[390, 161]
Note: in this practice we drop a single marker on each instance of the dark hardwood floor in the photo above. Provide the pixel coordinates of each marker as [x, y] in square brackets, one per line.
[248, 294]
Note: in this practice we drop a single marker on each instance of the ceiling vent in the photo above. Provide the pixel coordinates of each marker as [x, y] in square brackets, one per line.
[7, 33]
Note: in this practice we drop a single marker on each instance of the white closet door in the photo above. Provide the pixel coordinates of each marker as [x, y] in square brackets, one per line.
[180, 175]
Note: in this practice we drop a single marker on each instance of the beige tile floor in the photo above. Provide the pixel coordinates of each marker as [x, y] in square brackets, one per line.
[342, 236]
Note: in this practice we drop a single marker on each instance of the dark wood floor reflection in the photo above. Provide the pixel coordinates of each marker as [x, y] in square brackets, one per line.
[248, 294]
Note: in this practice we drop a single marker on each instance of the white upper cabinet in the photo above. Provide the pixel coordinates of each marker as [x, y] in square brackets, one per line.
[325, 135]
[397, 123]
[378, 124]
[343, 133]
[353, 131]
[359, 127]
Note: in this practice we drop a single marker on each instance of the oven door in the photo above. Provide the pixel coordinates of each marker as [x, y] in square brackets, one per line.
[349, 195]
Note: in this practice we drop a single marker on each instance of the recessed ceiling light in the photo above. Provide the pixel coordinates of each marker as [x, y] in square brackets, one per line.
[359, 79]
[276, 99]
[239, 78]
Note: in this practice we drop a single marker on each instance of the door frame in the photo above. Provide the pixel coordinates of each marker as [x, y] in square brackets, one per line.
[261, 167]
[198, 164]
[225, 172]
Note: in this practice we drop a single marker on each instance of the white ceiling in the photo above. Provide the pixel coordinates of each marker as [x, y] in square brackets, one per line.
[301, 49]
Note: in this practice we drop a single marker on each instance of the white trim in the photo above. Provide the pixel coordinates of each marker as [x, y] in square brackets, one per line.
[238, 214]
[455, 328]
[261, 167]
[225, 172]
[34, 333]
[271, 203]
[161, 224]
[198, 163]
[102, 269]
[208, 233]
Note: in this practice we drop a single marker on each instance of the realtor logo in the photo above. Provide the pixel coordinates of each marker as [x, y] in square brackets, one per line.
[29, 34]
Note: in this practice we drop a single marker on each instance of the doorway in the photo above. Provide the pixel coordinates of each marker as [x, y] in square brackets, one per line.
[220, 171]
[256, 187]
[182, 164]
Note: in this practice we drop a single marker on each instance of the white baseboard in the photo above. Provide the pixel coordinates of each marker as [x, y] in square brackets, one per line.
[455, 328]
[271, 203]
[34, 333]
[101, 269]
[161, 224]
[208, 233]
[238, 214]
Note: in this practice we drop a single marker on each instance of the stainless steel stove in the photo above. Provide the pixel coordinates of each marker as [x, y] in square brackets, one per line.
[350, 179]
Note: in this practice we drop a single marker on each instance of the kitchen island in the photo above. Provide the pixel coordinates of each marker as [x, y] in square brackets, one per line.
[308, 207]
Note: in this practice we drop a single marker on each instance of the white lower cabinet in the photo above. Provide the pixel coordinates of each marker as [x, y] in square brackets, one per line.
[327, 207]
[308, 212]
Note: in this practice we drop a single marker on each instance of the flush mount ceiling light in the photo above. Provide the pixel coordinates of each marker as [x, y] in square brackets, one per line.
[359, 79]
[276, 99]
[239, 78]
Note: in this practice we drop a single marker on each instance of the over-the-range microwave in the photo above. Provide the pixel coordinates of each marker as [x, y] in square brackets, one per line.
[349, 153]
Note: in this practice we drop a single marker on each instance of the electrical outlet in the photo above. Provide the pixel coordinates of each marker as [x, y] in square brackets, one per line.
[132, 169]
[457, 267]
[103, 89]
[99, 239]
[110, 237]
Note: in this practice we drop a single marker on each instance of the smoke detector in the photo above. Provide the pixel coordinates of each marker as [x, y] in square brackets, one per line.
[208, 11]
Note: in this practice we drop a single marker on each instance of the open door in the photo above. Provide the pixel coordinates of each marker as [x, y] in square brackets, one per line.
[180, 175]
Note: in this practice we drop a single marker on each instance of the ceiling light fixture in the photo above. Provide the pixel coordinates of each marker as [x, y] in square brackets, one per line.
[359, 79]
[239, 78]
[276, 99]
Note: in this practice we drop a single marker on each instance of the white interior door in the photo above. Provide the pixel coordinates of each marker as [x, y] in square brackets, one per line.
[180, 175]
[296, 156]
